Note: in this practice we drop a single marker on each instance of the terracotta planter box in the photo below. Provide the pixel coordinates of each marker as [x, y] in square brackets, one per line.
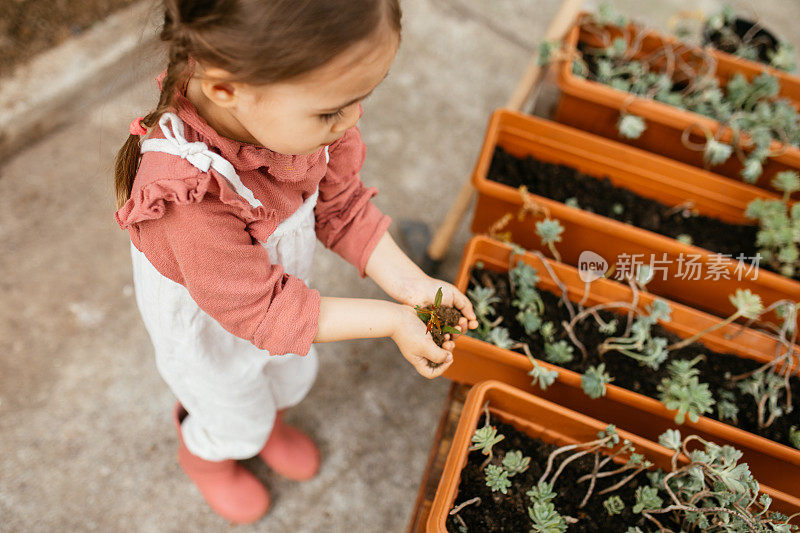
[549, 422]
[645, 174]
[595, 107]
[476, 360]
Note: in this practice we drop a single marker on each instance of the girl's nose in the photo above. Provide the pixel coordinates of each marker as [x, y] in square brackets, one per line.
[351, 116]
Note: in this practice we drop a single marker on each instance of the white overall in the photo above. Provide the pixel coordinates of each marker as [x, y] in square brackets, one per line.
[230, 388]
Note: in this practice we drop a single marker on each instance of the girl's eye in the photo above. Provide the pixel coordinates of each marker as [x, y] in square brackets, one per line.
[329, 117]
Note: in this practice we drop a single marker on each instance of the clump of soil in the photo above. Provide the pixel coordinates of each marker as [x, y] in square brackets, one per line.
[509, 512]
[450, 317]
[715, 368]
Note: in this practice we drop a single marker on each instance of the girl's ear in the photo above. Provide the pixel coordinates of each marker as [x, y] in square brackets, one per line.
[222, 93]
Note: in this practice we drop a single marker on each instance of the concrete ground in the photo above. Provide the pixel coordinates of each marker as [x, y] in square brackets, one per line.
[86, 441]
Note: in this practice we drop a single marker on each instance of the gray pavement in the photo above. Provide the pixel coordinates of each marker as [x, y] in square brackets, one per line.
[86, 441]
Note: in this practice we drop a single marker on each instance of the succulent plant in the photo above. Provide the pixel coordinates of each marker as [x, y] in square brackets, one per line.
[778, 237]
[558, 353]
[614, 505]
[542, 376]
[515, 463]
[497, 478]
[631, 126]
[549, 231]
[647, 498]
[683, 391]
[594, 380]
[485, 438]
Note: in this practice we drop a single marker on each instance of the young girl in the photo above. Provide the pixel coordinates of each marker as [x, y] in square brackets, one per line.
[250, 156]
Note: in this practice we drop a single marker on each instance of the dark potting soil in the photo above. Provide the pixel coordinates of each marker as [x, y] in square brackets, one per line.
[715, 369]
[598, 195]
[450, 317]
[508, 512]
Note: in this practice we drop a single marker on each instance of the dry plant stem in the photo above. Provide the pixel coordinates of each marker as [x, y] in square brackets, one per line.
[458, 508]
[525, 348]
[688, 131]
[557, 281]
[605, 461]
[585, 296]
[683, 206]
[596, 443]
[530, 206]
[570, 327]
[553, 250]
[575, 340]
[595, 475]
[634, 304]
[622, 482]
[568, 460]
[590, 489]
[786, 349]
[696, 336]
[599, 32]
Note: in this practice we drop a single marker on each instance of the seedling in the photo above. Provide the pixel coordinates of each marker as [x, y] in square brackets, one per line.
[545, 518]
[747, 305]
[726, 407]
[631, 126]
[685, 78]
[778, 237]
[683, 391]
[432, 316]
[542, 376]
[766, 388]
[710, 490]
[515, 463]
[594, 380]
[497, 478]
[794, 436]
[550, 230]
[485, 438]
[614, 505]
[558, 353]
[440, 320]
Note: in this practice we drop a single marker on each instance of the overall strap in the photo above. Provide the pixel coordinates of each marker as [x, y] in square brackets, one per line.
[196, 153]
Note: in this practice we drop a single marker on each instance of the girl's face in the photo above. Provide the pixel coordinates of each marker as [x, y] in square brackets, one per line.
[302, 115]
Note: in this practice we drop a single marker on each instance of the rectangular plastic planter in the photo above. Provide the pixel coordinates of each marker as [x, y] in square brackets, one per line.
[549, 422]
[475, 361]
[645, 174]
[596, 107]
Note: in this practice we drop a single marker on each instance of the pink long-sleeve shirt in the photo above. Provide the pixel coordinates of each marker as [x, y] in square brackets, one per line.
[198, 232]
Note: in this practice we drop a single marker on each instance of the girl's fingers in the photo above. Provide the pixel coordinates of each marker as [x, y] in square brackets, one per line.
[473, 324]
[430, 372]
[463, 304]
[435, 354]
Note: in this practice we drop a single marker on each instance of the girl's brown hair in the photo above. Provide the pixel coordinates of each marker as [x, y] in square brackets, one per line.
[258, 42]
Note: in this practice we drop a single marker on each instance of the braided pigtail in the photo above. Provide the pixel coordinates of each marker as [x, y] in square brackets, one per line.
[128, 157]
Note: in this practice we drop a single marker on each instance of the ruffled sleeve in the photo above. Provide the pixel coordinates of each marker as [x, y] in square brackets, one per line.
[347, 221]
[164, 178]
[195, 234]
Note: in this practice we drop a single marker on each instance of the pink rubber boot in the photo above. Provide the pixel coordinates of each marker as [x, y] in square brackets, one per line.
[231, 490]
[290, 452]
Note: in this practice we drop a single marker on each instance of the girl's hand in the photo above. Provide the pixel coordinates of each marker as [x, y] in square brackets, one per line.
[404, 281]
[421, 290]
[418, 347]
